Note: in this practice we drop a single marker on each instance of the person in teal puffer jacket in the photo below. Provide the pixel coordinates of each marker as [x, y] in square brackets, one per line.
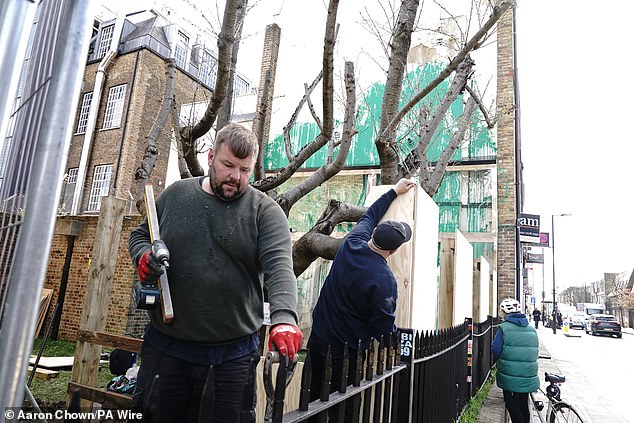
[516, 349]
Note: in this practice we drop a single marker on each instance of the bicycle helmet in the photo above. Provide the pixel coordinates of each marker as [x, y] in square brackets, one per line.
[510, 305]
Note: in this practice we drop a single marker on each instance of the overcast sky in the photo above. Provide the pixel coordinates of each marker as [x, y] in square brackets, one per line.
[577, 147]
[574, 96]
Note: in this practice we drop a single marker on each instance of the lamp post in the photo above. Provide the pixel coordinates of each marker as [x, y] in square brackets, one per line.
[554, 292]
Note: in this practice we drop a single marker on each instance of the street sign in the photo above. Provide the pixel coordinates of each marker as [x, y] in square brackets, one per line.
[534, 258]
[529, 227]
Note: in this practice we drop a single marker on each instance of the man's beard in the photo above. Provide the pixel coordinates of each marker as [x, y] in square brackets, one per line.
[217, 187]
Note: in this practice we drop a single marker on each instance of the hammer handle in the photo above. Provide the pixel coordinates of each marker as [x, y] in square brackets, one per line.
[155, 235]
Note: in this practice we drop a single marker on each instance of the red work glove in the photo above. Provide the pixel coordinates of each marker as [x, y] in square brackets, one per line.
[287, 339]
[149, 269]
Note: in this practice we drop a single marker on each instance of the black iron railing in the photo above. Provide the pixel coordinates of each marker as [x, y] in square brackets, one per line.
[409, 376]
[416, 376]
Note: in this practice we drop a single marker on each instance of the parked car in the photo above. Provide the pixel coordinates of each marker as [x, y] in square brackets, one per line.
[603, 323]
[577, 320]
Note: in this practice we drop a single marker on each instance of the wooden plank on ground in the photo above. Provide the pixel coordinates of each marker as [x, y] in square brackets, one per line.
[43, 374]
[63, 363]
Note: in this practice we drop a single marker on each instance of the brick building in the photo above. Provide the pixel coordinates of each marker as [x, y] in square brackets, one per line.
[123, 89]
[124, 86]
[508, 165]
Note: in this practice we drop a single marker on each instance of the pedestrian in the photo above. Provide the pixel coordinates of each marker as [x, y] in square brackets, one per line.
[537, 316]
[560, 320]
[516, 349]
[227, 242]
[358, 298]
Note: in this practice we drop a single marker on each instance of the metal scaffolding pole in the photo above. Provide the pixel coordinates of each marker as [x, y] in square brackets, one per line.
[30, 259]
[15, 15]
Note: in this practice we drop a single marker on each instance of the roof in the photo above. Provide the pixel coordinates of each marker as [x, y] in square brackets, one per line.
[148, 27]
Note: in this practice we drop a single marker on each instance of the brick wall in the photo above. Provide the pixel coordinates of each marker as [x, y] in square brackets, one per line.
[262, 121]
[120, 301]
[145, 74]
[506, 188]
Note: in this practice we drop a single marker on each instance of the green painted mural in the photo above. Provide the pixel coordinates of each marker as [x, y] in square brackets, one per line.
[464, 197]
[363, 152]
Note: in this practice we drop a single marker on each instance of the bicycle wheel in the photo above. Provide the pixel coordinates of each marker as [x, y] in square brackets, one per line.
[563, 412]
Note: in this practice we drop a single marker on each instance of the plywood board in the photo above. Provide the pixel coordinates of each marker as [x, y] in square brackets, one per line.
[54, 362]
[401, 209]
[415, 264]
[425, 263]
[463, 280]
[481, 288]
[57, 362]
[446, 283]
[43, 374]
[485, 283]
[45, 300]
[476, 291]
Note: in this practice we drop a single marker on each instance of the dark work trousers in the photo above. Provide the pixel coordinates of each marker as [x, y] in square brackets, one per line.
[181, 387]
[536, 323]
[517, 404]
[318, 350]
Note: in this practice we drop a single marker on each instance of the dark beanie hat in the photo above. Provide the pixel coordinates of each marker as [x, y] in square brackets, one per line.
[389, 235]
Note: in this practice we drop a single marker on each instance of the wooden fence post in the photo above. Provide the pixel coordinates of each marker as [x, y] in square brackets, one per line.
[95, 311]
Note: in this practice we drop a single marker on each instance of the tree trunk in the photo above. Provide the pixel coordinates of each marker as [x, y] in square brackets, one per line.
[400, 43]
[144, 171]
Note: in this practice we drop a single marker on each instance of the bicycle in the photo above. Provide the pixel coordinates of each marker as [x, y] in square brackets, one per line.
[558, 410]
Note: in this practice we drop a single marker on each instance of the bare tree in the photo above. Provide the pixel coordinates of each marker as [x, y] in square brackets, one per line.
[317, 241]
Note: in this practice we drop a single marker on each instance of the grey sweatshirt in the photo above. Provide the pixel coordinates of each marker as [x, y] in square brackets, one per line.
[221, 255]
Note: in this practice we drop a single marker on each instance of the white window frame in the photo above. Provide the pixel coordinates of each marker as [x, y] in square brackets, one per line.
[114, 107]
[83, 113]
[208, 69]
[240, 86]
[70, 184]
[106, 39]
[100, 186]
[180, 50]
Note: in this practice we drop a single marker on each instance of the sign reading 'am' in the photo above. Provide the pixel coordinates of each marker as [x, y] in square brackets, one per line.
[529, 227]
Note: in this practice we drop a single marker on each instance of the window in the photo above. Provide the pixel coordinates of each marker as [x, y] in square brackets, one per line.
[114, 107]
[68, 189]
[83, 113]
[100, 187]
[104, 42]
[240, 86]
[208, 69]
[180, 50]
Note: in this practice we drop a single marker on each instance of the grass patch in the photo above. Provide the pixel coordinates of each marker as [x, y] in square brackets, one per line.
[53, 391]
[472, 411]
[55, 348]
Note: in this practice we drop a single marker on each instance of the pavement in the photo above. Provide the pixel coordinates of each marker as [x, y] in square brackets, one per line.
[493, 410]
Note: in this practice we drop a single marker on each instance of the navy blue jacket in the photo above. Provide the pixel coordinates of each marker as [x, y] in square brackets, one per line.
[358, 298]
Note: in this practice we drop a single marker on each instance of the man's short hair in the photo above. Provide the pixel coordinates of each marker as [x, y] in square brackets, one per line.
[241, 141]
[390, 235]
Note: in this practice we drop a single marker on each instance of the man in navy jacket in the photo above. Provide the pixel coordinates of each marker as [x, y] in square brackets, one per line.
[358, 299]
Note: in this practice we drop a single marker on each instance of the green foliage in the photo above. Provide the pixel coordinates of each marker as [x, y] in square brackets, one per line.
[472, 411]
